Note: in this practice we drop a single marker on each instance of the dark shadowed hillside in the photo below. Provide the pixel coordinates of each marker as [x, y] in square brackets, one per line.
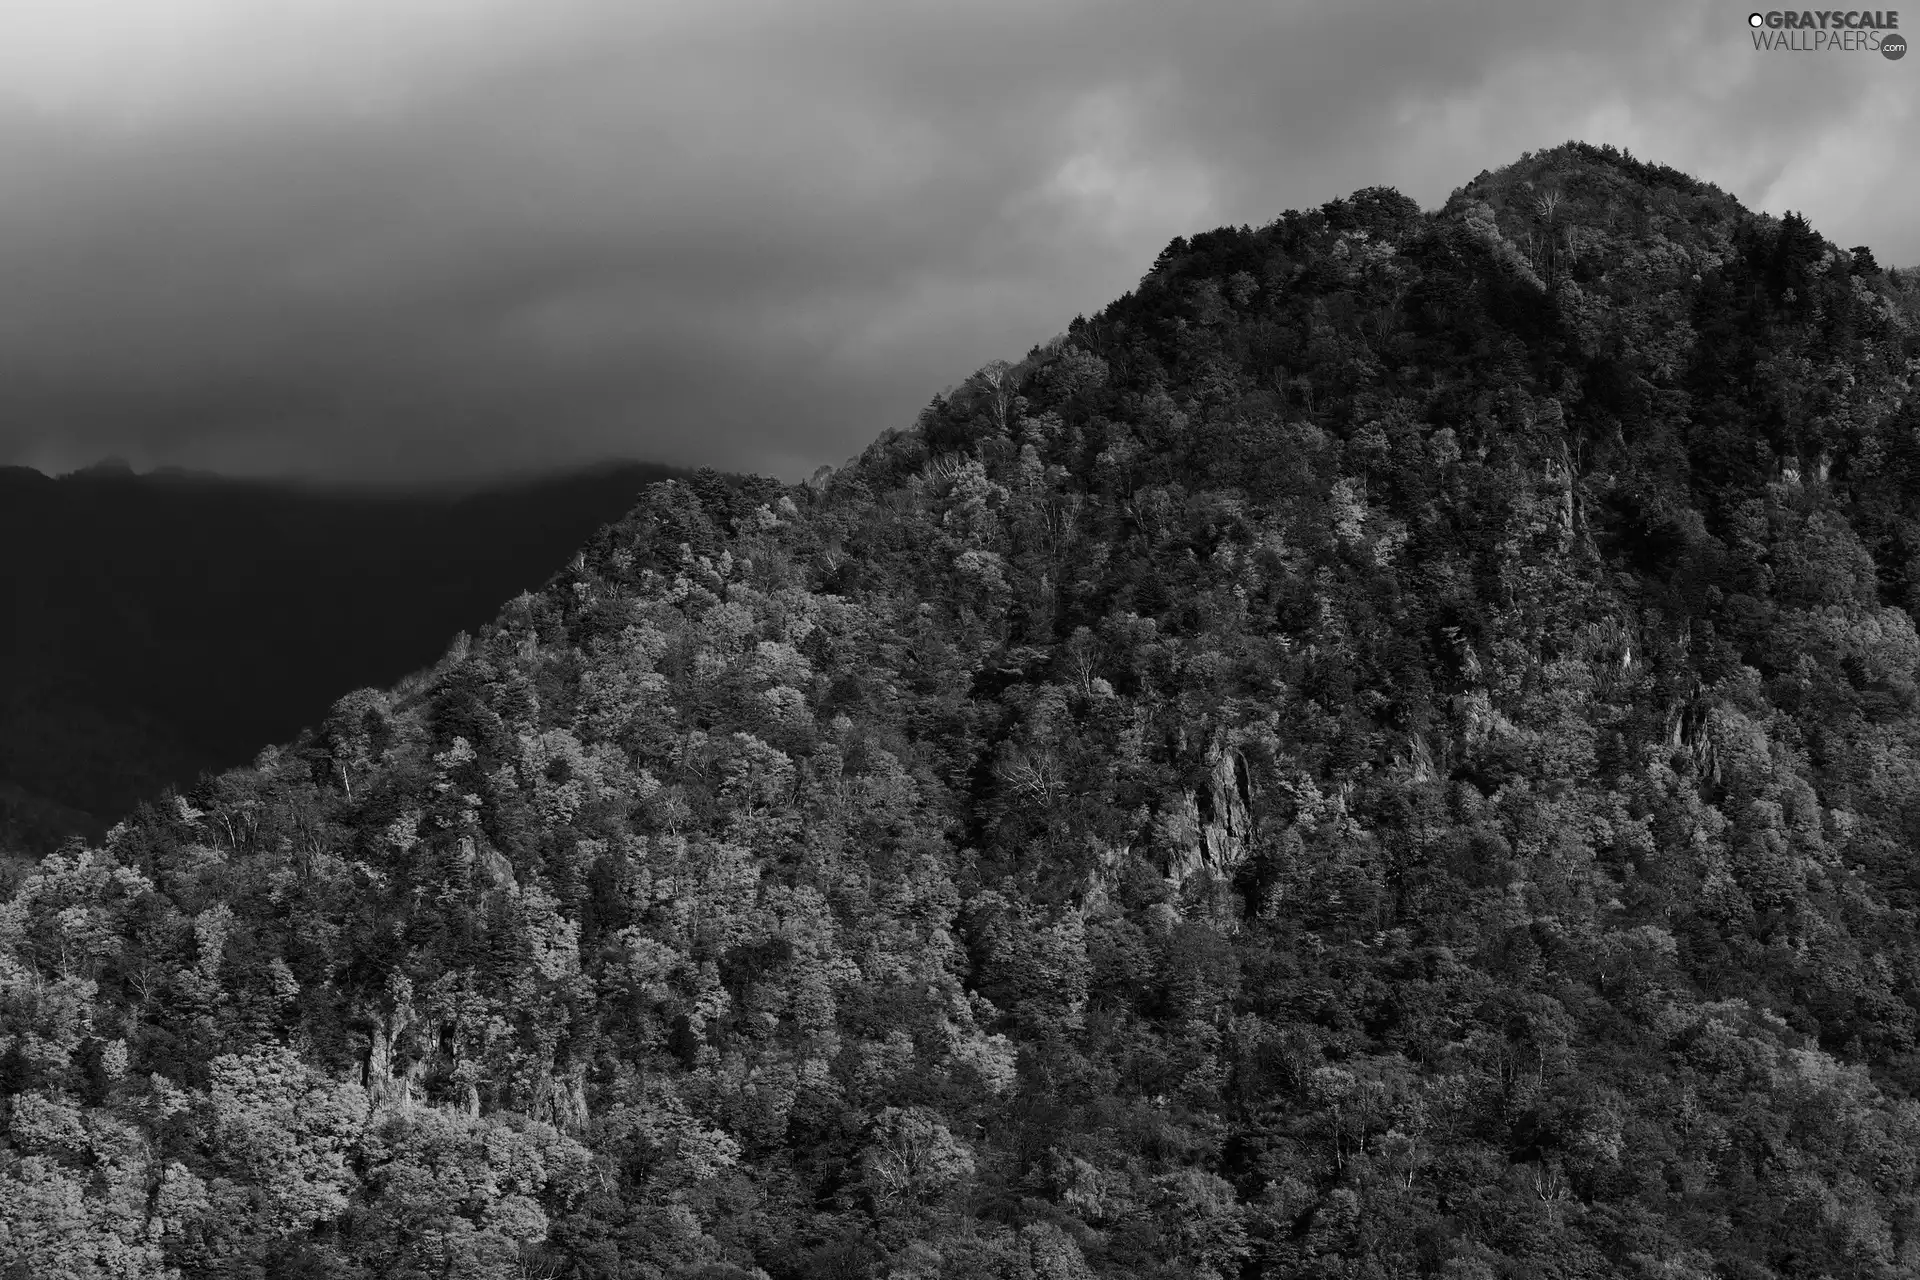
[1392, 750]
[155, 625]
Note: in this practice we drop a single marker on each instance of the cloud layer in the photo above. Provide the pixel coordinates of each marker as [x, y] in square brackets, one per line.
[355, 239]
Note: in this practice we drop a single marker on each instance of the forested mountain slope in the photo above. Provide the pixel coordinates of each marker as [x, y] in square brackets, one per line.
[1389, 751]
[153, 626]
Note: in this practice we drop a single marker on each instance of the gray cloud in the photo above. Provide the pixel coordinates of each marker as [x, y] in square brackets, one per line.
[474, 236]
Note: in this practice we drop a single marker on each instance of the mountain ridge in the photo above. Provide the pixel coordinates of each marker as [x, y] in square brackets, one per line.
[1386, 751]
[153, 625]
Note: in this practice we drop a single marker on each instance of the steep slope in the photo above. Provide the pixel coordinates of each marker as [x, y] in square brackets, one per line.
[1389, 751]
[154, 626]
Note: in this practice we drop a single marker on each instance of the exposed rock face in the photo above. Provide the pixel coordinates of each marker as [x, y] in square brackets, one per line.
[561, 1100]
[385, 1086]
[1210, 828]
[1104, 876]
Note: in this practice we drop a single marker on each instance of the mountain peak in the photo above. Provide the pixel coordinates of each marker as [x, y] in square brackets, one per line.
[1387, 750]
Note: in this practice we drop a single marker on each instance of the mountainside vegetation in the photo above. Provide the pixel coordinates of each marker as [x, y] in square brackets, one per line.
[1392, 750]
[155, 626]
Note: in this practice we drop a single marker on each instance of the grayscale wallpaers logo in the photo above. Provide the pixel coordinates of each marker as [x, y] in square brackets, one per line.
[1829, 31]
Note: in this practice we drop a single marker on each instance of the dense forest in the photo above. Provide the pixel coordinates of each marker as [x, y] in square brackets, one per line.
[155, 626]
[1392, 750]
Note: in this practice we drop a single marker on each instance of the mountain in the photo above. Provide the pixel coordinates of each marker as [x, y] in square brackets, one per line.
[153, 626]
[1389, 751]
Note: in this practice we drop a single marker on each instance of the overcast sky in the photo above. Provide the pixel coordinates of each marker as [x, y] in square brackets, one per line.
[420, 239]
